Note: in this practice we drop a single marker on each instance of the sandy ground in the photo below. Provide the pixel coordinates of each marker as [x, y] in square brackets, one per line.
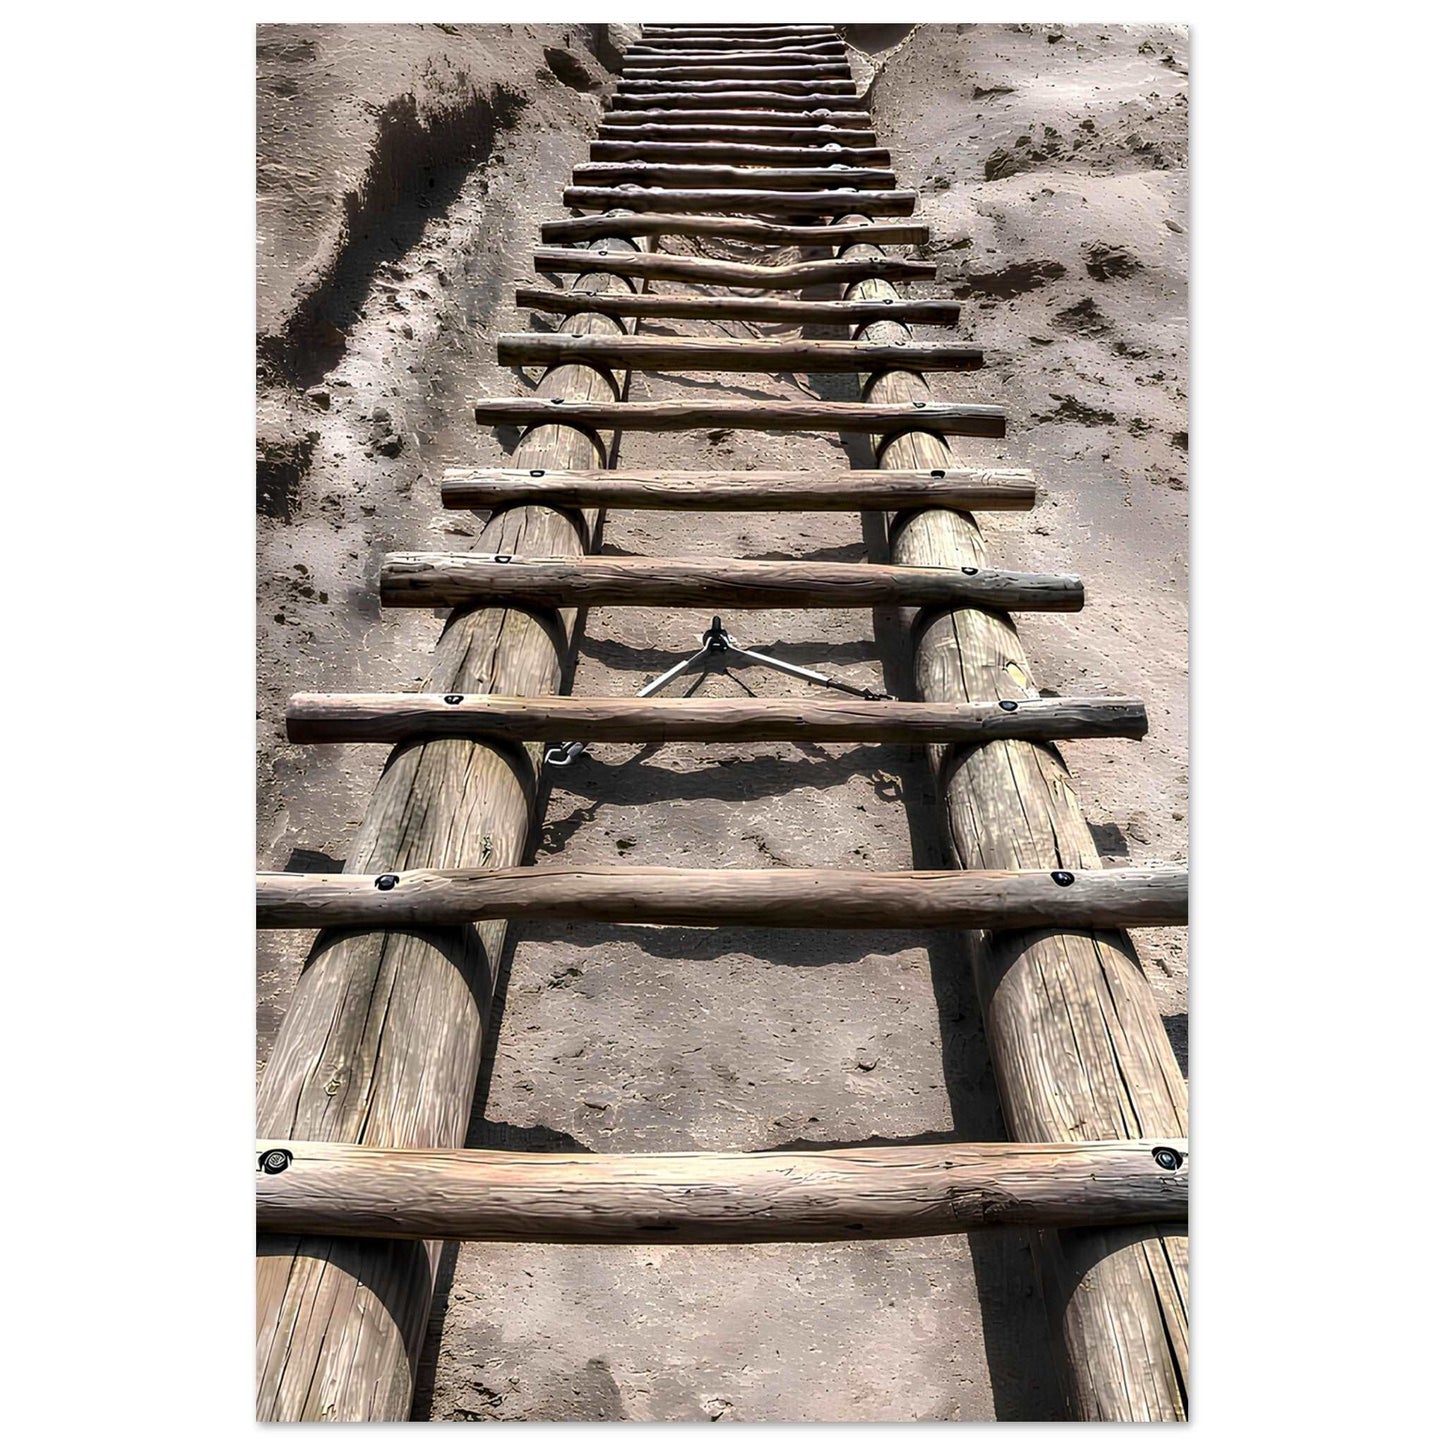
[1052, 162]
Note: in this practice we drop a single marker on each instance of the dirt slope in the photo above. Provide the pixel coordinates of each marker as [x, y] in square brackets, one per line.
[1071, 258]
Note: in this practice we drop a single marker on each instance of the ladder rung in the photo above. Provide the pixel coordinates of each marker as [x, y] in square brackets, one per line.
[806, 178]
[706, 270]
[732, 47]
[455, 579]
[823, 120]
[722, 152]
[949, 418]
[594, 228]
[966, 489]
[390, 717]
[721, 353]
[898, 1191]
[739, 308]
[781, 59]
[821, 202]
[798, 70]
[745, 103]
[810, 90]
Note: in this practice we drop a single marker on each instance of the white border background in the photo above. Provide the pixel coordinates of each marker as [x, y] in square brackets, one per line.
[1315, 470]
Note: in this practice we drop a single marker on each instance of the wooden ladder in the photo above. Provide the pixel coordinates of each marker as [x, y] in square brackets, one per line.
[726, 132]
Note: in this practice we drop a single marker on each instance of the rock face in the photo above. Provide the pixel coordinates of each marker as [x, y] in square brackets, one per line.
[404, 171]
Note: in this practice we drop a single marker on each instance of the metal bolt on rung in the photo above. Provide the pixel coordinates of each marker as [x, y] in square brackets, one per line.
[969, 571]
[1167, 1158]
[452, 698]
[537, 472]
[1062, 877]
[276, 1161]
[937, 472]
[387, 882]
[1008, 704]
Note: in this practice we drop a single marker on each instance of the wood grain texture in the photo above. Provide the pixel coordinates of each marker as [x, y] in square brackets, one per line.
[979, 488]
[719, 353]
[744, 308]
[952, 418]
[716, 177]
[452, 579]
[724, 898]
[809, 90]
[736, 228]
[733, 47]
[390, 717]
[747, 102]
[805, 69]
[759, 202]
[698, 152]
[902, 1191]
[741, 34]
[382, 1039]
[803, 52]
[704, 270]
[1078, 1047]
[766, 128]
[820, 119]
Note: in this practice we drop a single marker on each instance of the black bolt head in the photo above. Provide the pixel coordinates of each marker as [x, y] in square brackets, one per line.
[275, 1161]
[453, 698]
[1168, 1158]
[387, 882]
[1008, 704]
[969, 571]
[1062, 877]
[538, 472]
[936, 472]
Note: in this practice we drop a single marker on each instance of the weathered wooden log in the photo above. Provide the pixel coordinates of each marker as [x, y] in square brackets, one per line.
[762, 202]
[722, 353]
[726, 152]
[736, 228]
[725, 898]
[740, 34]
[746, 93]
[733, 47]
[703, 270]
[392, 717]
[744, 104]
[453, 579]
[661, 57]
[973, 488]
[382, 1039]
[823, 120]
[740, 45]
[1078, 1047]
[745, 308]
[950, 418]
[739, 70]
[775, 178]
[902, 1191]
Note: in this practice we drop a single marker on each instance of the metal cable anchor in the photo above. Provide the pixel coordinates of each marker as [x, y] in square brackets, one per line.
[717, 641]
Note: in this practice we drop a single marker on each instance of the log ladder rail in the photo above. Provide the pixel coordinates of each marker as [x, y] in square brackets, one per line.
[737, 133]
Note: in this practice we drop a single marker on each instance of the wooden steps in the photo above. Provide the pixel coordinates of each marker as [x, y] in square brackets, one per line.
[948, 418]
[744, 105]
[971, 489]
[736, 228]
[726, 898]
[707, 177]
[708, 353]
[838, 202]
[457, 579]
[740, 308]
[850, 128]
[806, 70]
[705, 271]
[811, 91]
[899, 1191]
[390, 717]
[714, 129]
[702, 152]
